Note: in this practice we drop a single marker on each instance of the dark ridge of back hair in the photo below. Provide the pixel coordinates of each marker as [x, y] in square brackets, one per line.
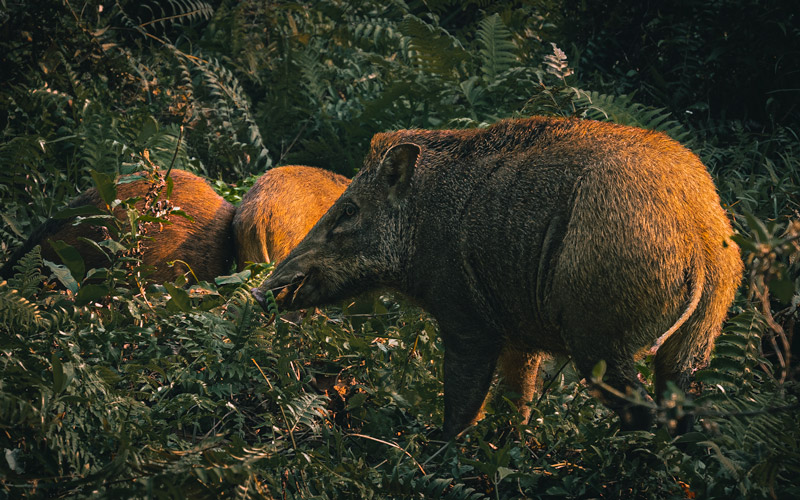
[505, 135]
[513, 134]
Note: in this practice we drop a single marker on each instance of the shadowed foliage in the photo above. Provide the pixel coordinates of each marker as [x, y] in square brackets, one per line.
[116, 387]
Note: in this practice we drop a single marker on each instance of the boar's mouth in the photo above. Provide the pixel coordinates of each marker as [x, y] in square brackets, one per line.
[298, 284]
[285, 291]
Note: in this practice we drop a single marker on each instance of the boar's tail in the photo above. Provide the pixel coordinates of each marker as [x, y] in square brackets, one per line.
[697, 279]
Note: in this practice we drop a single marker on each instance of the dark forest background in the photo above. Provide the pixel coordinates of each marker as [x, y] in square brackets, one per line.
[116, 391]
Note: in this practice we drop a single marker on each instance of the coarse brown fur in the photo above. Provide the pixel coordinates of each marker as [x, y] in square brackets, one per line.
[533, 236]
[205, 243]
[280, 208]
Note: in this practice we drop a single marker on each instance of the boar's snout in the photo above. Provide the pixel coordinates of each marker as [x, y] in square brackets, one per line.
[285, 290]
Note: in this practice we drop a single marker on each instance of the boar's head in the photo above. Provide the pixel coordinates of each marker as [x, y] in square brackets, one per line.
[360, 244]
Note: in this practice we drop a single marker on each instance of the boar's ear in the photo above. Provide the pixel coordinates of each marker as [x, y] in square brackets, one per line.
[397, 168]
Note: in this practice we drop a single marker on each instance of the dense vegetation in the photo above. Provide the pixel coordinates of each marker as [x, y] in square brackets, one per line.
[114, 390]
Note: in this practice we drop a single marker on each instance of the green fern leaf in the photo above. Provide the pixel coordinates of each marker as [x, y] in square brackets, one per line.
[623, 110]
[225, 89]
[17, 313]
[408, 483]
[307, 410]
[161, 15]
[377, 32]
[433, 48]
[28, 277]
[497, 48]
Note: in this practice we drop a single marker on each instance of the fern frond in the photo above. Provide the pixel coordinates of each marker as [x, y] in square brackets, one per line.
[224, 87]
[17, 313]
[181, 11]
[158, 16]
[241, 310]
[760, 437]
[307, 410]
[497, 48]
[104, 147]
[28, 277]
[376, 31]
[311, 71]
[19, 148]
[20, 157]
[556, 63]
[410, 483]
[736, 356]
[623, 110]
[433, 48]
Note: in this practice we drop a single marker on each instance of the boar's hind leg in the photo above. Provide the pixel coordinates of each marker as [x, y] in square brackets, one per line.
[620, 385]
[520, 370]
[686, 350]
[468, 370]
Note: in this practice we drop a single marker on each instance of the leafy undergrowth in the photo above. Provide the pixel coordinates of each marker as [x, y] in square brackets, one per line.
[110, 389]
[197, 394]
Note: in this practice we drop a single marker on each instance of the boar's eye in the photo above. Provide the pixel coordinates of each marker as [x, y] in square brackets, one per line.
[344, 221]
[349, 210]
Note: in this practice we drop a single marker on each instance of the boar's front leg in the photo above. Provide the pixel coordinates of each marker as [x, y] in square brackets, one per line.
[469, 363]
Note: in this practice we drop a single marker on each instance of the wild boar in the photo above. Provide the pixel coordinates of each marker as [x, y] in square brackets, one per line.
[280, 208]
[204, 243]
[537, 235]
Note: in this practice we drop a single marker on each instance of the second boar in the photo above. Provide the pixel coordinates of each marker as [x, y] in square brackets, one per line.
[280, 208]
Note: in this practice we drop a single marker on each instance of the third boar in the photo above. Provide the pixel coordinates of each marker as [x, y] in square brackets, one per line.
[533, 236]
[204, 243]
[280, 208]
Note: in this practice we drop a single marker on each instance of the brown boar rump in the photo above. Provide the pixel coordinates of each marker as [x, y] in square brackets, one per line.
[280, 208]
[204, 243]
